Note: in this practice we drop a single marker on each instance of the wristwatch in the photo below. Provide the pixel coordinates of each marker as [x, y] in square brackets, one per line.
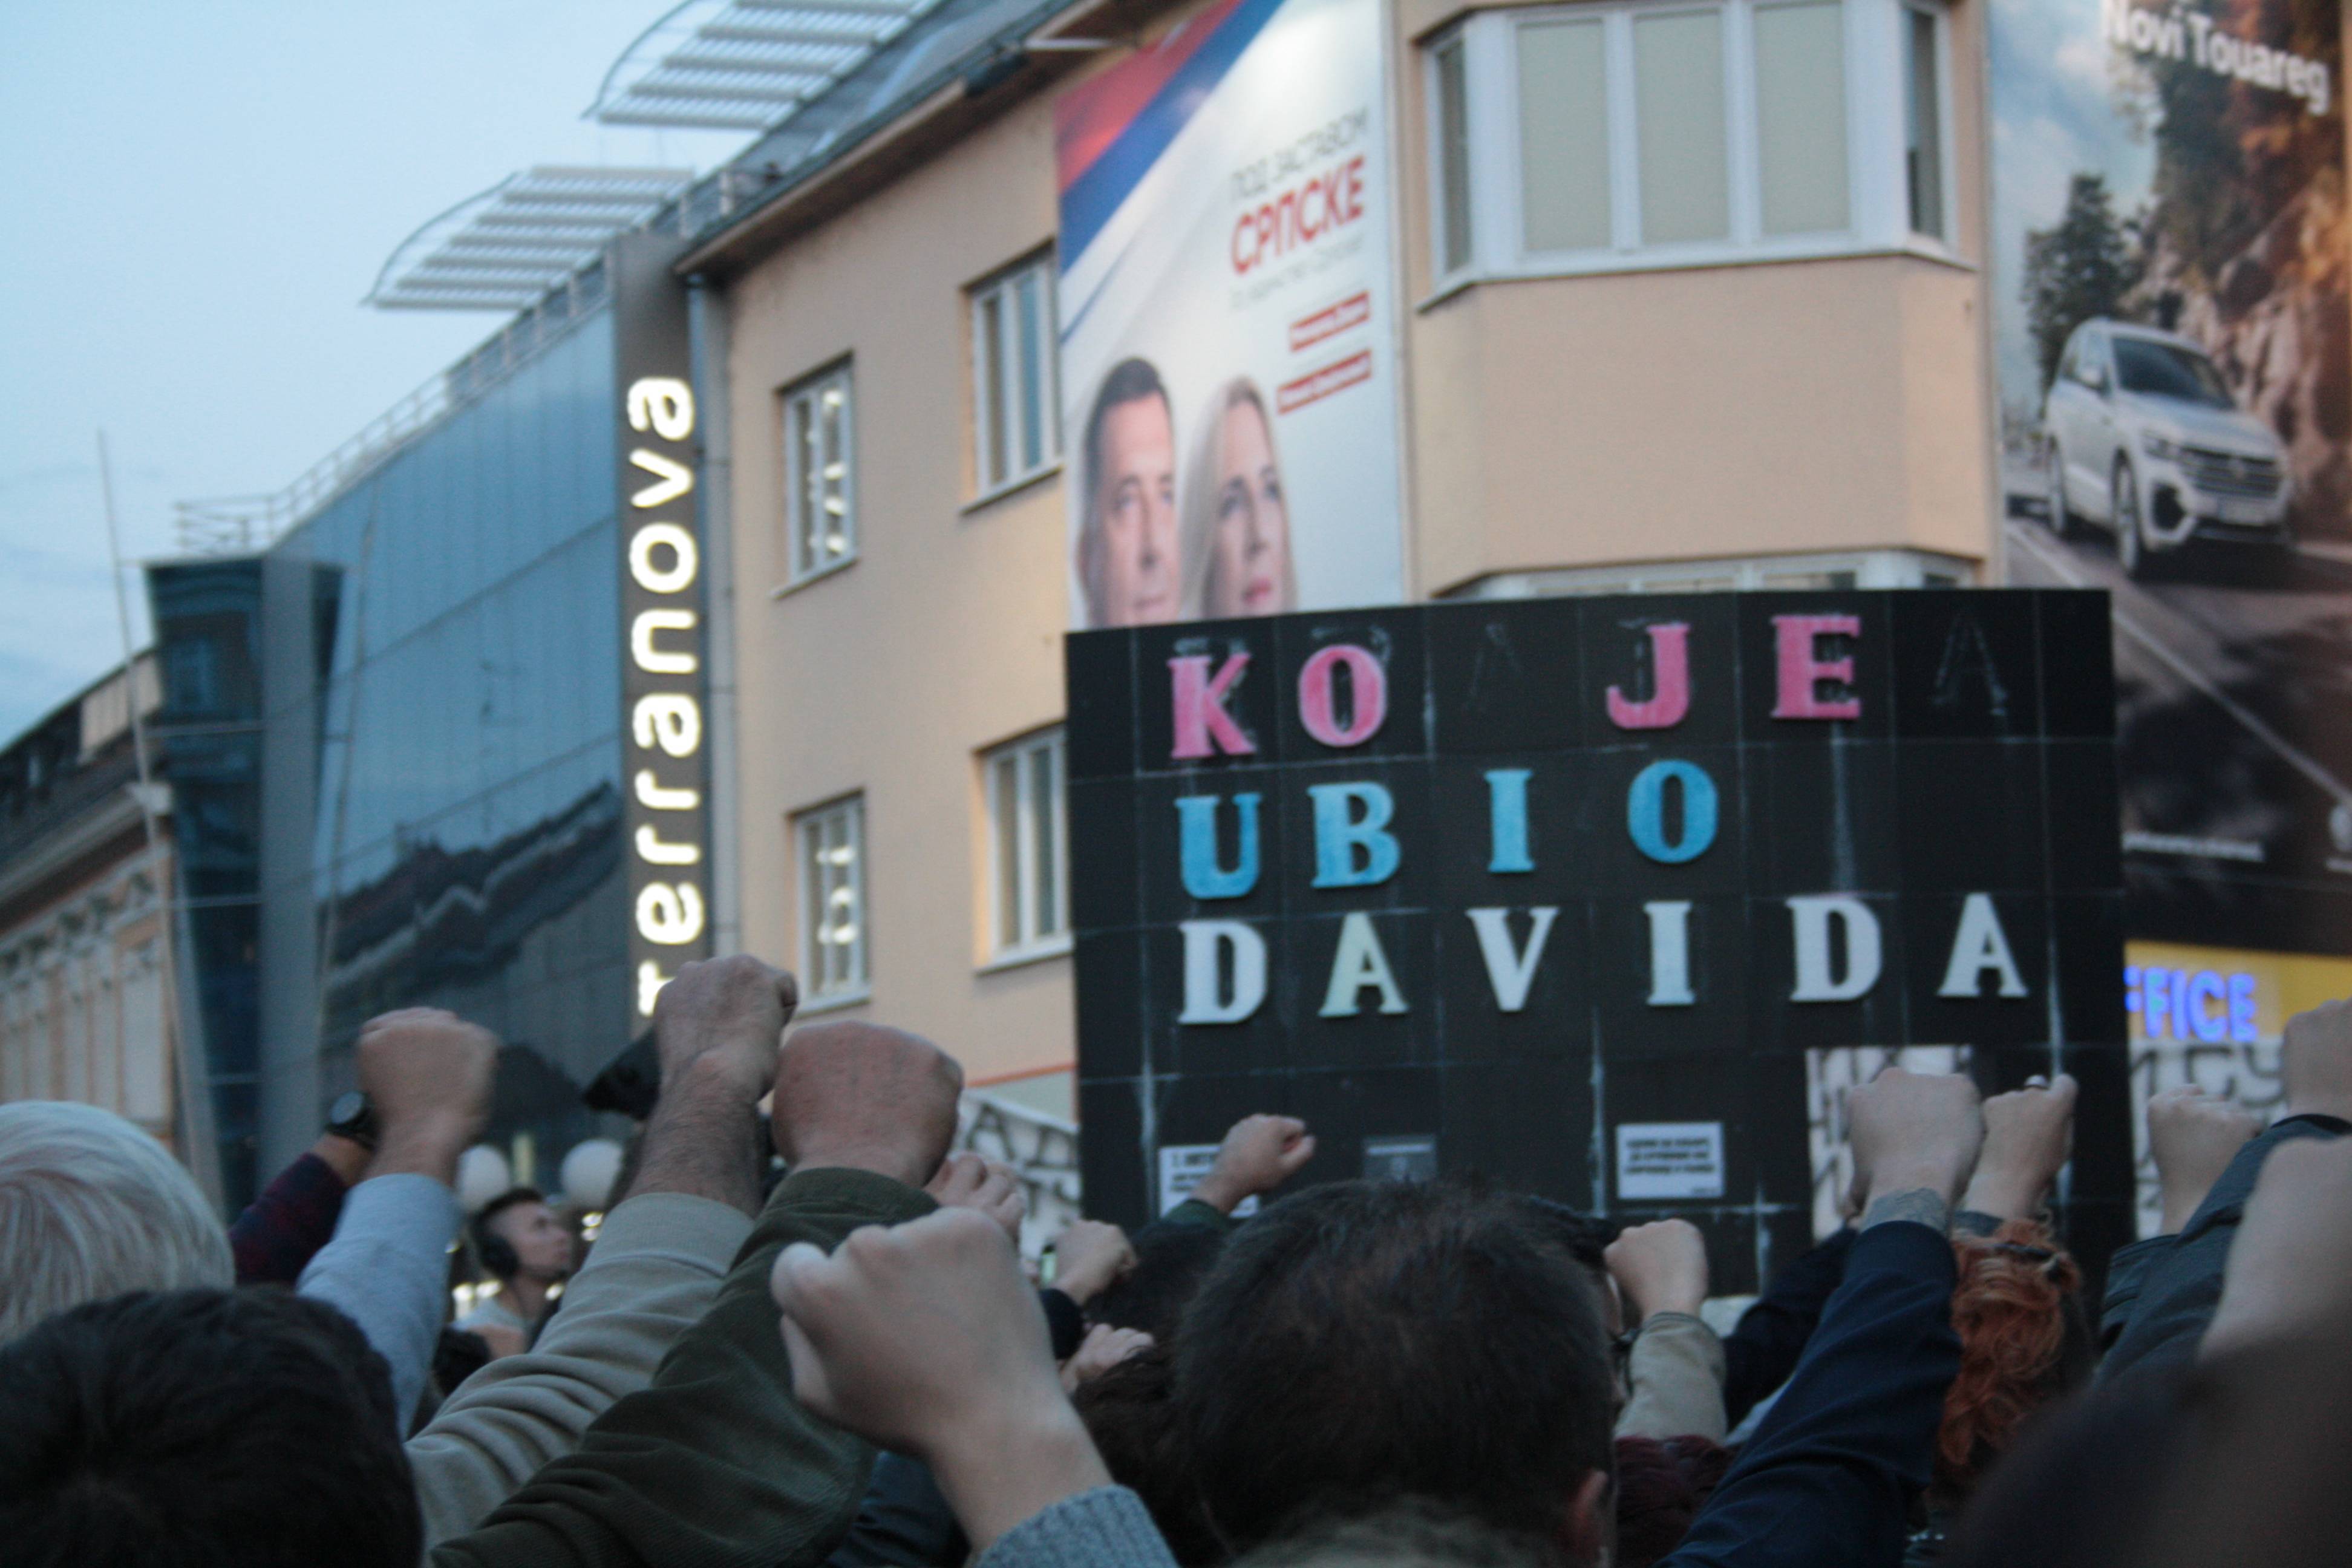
[352, 1117]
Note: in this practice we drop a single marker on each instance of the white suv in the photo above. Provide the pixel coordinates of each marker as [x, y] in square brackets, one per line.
[2146, 440]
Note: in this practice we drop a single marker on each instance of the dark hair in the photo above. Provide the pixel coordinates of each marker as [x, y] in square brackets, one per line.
[1411, 1535]
[1170, 1261]
[1365, 1342]
[1126, 1412]
[200, 1428]
[495, 1252]
[1585, 1236]
[1129, 380]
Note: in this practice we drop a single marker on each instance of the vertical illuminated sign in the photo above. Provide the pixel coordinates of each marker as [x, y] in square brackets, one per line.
[662, 740]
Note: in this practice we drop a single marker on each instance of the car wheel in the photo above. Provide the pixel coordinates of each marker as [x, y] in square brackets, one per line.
[2061, 516]
[2131, 545]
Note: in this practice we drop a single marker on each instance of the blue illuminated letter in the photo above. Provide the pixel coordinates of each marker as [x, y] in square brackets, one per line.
[1340, 833]
[1645, 812]
[1197, 821]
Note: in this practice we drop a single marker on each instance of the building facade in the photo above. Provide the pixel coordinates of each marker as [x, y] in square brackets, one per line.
[87, 1006]
[400, 736]
[1794, 395]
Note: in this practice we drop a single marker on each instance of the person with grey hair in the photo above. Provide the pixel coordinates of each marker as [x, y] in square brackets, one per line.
[90, 1206]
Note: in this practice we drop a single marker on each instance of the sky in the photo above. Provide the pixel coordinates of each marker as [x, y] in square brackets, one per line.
[198, 196]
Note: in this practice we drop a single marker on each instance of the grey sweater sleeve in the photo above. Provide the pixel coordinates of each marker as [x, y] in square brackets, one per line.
[653, 1271]
[2179, 1285]
[1106, 1528]
[1676, 1373]
[388, 1271]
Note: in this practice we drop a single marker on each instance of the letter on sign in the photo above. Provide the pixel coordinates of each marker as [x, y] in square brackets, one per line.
[1978, 946]
[670, 719]
[1358, 963]
[1340, 834]
[1203, 724]
[1817, 980]
[1802, 669]
[664, 404]
[1316, 703]
[1511, 970]
[678, 575]
[1669, 699]
[653, 660]
[669, 913]
[1196, 816]
[1205, 998]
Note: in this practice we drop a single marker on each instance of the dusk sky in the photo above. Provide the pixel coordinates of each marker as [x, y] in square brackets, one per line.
[201, 195]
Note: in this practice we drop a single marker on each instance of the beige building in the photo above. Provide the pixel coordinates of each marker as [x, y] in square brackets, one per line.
[1802, 399]
[85, 992]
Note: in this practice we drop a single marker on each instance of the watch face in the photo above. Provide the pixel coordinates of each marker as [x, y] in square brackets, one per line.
[349, 1107]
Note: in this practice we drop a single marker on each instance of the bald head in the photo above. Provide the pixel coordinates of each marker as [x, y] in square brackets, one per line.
[866, 1096]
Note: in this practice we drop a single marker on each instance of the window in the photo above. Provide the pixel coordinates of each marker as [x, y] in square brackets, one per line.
[820, 474]
[1923, 119]
[1453, 160]
[1028, 882]
[832, 900]
[1664, 133]
[1015, 413]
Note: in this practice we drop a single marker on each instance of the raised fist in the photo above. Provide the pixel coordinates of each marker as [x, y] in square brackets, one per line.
[1913, 1134]
[865, 1096]
[725, 1016]
[1089, 1257]
[428, 1073]
[1259, 1154]
[2029, 1132]
[2193, 1137]
[1659, 1267]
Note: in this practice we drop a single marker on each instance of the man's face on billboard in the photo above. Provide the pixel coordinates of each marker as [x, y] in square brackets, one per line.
[1135, 512]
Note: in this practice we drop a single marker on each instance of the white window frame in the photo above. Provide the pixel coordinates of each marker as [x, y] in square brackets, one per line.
[1947, 158]
[1877, 189]
[808, 393]
[1032, 938]
[828, 829]
[1003, 288]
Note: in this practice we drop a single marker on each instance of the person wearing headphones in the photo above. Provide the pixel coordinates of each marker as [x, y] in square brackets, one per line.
[521, 1244]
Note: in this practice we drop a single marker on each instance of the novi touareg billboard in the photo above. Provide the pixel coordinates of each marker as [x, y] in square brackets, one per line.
[1608, 898]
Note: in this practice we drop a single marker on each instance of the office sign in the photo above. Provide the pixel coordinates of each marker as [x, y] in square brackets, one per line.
[1590, 895]
[1228, 307]
[667, 771]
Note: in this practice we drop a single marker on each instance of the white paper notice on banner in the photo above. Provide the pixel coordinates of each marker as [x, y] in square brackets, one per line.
[1181, 1166]
[1670, 1160]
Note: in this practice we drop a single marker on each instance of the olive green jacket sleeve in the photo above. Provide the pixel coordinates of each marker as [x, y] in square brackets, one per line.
[715, 1465]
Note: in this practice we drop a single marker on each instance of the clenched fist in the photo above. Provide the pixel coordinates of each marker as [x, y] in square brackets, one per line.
[1915, 1136]
[2029, 1133]
[1259, 1154]
[2318, 1061]
[865, 1096]
[724, 1017]
[428, 1074]
[1659, 1267]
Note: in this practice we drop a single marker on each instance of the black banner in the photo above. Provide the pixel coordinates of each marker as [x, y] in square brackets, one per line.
[1608, 898]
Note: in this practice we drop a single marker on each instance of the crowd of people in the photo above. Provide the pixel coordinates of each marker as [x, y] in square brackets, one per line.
[849, 1366]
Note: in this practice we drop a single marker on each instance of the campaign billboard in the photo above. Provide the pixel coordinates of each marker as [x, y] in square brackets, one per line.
[1227, 300]
[1611, 899]
[2171, 308]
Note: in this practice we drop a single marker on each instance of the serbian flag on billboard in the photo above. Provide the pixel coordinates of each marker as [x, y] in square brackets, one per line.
[1228, 321]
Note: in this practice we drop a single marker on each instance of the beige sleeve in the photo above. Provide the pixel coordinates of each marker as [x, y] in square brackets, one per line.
[1676, 1374]
[655, 1269]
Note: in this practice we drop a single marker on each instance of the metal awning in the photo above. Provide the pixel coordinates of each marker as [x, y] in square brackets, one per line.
[502, 249]
[744, 65]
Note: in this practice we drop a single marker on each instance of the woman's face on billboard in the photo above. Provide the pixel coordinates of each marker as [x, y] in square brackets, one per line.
[1253, 537]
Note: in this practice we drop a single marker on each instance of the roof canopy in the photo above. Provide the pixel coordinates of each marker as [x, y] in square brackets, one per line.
[744, 65]
[502, 249]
